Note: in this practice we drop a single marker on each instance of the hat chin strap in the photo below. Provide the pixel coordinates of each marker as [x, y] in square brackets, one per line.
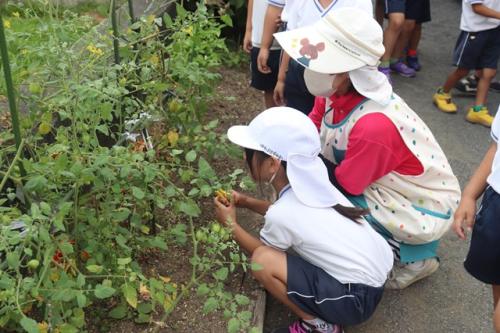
[270, 181]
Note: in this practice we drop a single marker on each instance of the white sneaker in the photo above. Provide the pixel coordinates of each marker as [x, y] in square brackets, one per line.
[402, 276]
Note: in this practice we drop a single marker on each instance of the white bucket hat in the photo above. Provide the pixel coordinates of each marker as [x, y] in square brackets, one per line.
[289, 135]
[346, 40]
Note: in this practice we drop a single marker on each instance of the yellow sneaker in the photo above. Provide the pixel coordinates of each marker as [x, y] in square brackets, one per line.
[479, 117]
[443, 102]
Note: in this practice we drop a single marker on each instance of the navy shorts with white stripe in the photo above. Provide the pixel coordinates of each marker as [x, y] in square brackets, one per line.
[318, 293]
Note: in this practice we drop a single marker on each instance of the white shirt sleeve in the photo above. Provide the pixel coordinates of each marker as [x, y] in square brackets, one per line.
[472, 2]
[275, 232]
[276, 3]
[495, 127]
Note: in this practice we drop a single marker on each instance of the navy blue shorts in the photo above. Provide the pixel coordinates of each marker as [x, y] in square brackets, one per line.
[477, 50]
[261, 81]
[483, 259]
[418, 10]
[394, 6]
[319, 294]
[296, 94]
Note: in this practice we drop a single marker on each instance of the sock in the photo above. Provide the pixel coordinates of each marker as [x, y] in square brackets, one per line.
[320, 325]
[411, 53]
[394, 60]
[384, 63]
[477, 108]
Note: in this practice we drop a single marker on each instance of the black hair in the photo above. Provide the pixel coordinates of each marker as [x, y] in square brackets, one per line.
[352, 213]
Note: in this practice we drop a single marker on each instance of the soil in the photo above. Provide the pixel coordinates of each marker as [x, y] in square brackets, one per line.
[238, 104]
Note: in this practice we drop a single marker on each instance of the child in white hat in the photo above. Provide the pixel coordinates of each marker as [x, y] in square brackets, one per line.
[379, 152]
[342, 264]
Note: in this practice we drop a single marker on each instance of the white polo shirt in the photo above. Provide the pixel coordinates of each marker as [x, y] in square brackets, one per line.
[494, 177]
[258, 17]
[472, 22]
[303, 13]
[348, 251]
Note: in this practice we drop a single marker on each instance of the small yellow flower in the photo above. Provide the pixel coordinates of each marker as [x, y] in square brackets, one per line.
[6, 24]
[150, 19]
[154, 59]
[94, 50]
[24, 51]
[188, 30]
[15, 14]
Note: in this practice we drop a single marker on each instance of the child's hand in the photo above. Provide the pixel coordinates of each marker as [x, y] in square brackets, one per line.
[464, 217]
[279, 93]
[262, 61]
[247, 42]
[238, 199]
[225, 212]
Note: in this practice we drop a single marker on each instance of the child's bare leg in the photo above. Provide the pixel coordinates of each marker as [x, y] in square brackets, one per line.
[391, 33]
[453, 78]
[484, 84]
[273, 277]
[496, 313]
[404, 37]
[268, 99]
[415, 37]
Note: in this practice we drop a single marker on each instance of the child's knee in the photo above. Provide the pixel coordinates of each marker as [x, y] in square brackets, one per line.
[396, 22]
[488, 73]
[264, 258]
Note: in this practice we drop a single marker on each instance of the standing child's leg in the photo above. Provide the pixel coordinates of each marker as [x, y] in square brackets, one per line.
[269, 99]
[442, 98]
[411, 53]
[391, 35]
[496, 306]
[379, 12]
[397, 63]
[479, 114]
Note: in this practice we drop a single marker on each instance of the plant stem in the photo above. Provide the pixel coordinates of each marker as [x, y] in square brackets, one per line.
[16, 158]
[131, 10]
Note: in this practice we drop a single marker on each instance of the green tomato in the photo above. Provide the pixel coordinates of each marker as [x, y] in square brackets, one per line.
[201, 236]
[174, 105]
[35, 88]
[33, 264]
[224, 234]
[216, 227]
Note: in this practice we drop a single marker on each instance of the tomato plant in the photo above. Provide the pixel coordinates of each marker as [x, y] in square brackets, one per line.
[86, 210]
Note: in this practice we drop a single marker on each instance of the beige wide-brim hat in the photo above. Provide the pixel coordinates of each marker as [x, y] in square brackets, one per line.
[344, 40]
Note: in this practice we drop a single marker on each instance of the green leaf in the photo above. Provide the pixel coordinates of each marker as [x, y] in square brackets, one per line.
[81, 300]
[242, 299]
[221, 273]
[118, 312]
[205, 170]
[130, 295]
[227, 20]
[142, 318]
[29, 325]
[66, 248]
[203, 289]
[102, 292]
[67, 328]
[233, 325]
[36, 183]
[145, 308]
[13, 260]
[256, 267]
[191, 156]
[137, 193]
[190, 208]
[94, 268]
[124, 261]
[210, 305]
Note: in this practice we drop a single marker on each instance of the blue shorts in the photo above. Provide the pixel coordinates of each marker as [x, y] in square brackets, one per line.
[418, 10]
[477, 50]
[319, 294]
[261, 81]
[296, 94]
[483, 259]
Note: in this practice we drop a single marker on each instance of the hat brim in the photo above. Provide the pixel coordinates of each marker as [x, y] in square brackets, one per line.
[312, 50]
[242, 136]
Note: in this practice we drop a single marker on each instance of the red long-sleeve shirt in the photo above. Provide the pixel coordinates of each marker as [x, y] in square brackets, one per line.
[374, 146]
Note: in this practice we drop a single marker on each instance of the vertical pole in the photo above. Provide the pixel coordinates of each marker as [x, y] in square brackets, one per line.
[131, 10]
[8, 83]
[114, 24]
[11, 96]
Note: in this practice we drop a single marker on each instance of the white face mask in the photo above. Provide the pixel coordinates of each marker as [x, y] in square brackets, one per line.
[319, 84]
